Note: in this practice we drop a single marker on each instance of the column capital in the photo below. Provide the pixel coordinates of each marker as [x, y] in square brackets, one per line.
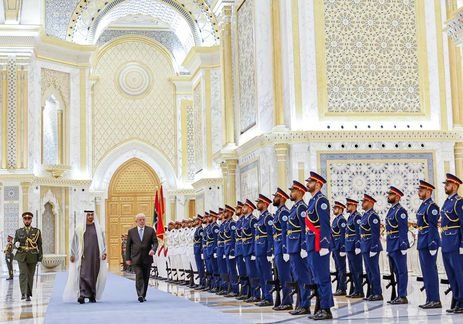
[281, 150]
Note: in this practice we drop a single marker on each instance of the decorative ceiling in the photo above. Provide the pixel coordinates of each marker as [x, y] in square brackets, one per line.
[191, 22]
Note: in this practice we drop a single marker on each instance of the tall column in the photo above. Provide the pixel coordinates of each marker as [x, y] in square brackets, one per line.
[456, 78]
[229, 178]
[227, 74]
[25, 191]
[277, 65]
[281, 151]
[172, 200]
[459, 162]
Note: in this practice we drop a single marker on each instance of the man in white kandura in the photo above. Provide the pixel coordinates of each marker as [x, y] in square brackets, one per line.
[88, 266]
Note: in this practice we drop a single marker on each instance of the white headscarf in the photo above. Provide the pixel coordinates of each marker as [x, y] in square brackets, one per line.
[72, 289]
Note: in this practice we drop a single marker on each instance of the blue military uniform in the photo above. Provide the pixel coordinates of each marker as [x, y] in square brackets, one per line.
[221, 259]
[397, 243]
[207, 256]
[370, 242]
[280, 220]
[318, 236]
[239, 254]
[338, 246]
[352, 242]
[198, 250]
[211, 237]
[230, 234]
[247, 236]
[452, 243]
[427, 218]
[295, 239]
[263, 247]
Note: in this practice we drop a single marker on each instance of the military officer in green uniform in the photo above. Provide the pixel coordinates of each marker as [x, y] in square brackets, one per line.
[28, 241]
[9, 257]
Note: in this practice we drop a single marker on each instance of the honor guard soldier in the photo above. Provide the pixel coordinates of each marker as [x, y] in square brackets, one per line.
[263, 247]
[397, 243]
[427, 218]
[318, 240]
[9, 256]
[295, 247]
[212, 248]
[280, 220]
[198, 250]
[354, 257]
[370, 246]
[452, 240]
[204, 256]
[28, 242]
[338, 233]
[247, 236]
[244, 280]
[229, 234]
[221, 258]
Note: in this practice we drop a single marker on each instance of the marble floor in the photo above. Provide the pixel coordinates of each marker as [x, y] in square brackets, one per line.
[13, 310]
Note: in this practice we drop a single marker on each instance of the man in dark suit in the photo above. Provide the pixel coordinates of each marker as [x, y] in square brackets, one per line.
[141, 246]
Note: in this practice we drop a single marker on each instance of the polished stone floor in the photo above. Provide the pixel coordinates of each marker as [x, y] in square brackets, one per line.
[13, 310]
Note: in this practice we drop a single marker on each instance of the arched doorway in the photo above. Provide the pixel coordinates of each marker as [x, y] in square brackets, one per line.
[131, 191]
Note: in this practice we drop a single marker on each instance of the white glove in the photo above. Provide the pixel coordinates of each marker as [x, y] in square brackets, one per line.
[405, 252]
[303, 253]
[253, 257]
[270, 258]
[387, 253]
[372, 254]
[357, 251]
[231, 257]
[17, 244]
[342, 254]
[433, 252]
[215, 255]
[202, 257]
[324, 252]
[286, 257]
[224, 256]
[461, 250]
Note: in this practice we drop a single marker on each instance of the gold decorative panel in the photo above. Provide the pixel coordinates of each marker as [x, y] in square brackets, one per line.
[135, 178]
[198, 128]
[247, 66]
[371, 57]
[149, 114]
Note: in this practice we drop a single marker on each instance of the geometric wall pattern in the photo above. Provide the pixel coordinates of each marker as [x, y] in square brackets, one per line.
[247, 66]
[11, 209]
[352, 175]
[11, 113]
[371, 57]
[199, 129]
[249, 180]
[119, 117]
[190, 139]
[216, 110]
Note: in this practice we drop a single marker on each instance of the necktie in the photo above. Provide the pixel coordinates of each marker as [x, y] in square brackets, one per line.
[140, 233]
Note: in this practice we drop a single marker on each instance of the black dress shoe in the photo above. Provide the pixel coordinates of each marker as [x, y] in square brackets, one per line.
[322, 314]
[144, 299]
[430, 305]
[81, 300]
[242, 297]
[283, 308]
[251, 300]
[23, 297]
[339, 293]
[300, 311]
[11, 278]
[367, 297]
[140, 299]
[264, 303]
[458, 310]
[232, 294]
[375, 298]
[399, 301]
[356, 295]
[450, 310]
[92, 300]
[28, 298]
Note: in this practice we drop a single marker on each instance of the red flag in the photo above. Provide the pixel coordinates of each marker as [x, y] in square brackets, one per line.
[160, 224]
